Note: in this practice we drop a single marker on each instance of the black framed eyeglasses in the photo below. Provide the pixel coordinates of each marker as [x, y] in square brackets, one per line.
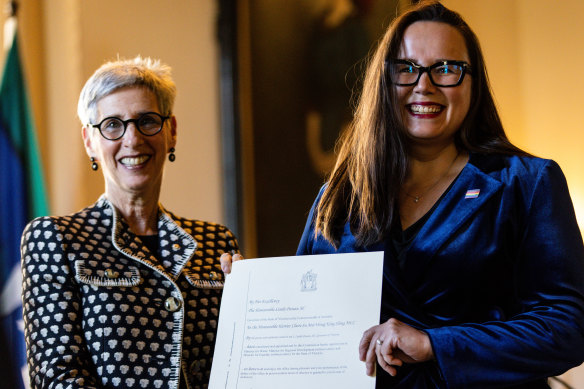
[443, 73]
[113, 128]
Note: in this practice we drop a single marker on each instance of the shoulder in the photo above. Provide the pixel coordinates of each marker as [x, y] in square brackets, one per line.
[512, 168]
[526, 180]
[203, 230]
[317, 200]
[42, 228]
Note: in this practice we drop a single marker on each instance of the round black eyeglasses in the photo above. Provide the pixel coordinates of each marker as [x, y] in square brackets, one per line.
[113, 128]
[442, 73]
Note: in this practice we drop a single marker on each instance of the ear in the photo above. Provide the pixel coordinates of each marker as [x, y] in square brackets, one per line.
[173, 132]
[87, 141]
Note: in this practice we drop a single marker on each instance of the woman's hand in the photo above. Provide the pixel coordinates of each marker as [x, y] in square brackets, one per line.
[392, 344]
[227, 259]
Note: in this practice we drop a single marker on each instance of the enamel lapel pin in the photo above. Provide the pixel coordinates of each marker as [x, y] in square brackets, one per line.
[472, 193]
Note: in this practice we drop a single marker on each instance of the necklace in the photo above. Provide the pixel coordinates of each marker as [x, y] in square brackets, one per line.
[418, 197]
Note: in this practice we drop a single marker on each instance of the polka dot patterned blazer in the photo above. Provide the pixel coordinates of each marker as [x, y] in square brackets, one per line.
[102, 311]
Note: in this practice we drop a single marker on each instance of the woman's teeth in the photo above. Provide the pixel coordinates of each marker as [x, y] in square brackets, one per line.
[425, 108]
[132, 161]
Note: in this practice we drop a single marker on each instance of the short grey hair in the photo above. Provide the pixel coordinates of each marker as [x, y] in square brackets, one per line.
[114, 75]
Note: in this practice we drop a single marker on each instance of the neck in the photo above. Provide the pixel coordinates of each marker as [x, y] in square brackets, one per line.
[140, 212]
[427, 164]
[427, 179]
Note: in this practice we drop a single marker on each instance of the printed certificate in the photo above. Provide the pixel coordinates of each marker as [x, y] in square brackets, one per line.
[296, 322]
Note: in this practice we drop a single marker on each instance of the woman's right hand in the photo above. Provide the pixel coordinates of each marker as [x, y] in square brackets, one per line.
[227, 259]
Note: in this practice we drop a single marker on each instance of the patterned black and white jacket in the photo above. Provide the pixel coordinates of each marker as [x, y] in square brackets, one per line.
[100, 311]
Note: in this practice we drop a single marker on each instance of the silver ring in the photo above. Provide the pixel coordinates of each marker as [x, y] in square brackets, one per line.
[379, 341]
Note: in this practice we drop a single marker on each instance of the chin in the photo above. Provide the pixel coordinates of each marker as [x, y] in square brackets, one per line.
[425, 134]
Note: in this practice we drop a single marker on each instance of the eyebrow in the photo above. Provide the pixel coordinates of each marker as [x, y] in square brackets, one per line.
[135, 115]
[436, 61]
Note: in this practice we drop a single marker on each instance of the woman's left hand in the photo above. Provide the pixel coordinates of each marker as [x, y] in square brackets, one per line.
[392, 344]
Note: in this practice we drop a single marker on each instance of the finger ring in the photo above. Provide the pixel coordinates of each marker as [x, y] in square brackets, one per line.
[379, 341]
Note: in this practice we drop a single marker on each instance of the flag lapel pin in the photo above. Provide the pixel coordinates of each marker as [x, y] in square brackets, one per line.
[472, 194]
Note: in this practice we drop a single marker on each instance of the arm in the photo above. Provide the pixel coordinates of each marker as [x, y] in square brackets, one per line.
[547, 336]
[56, 351]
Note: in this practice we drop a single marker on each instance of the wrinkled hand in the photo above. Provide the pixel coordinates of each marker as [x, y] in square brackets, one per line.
[400, 343]
[227, 259]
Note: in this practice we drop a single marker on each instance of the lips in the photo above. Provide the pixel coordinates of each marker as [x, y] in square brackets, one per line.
[134, 161]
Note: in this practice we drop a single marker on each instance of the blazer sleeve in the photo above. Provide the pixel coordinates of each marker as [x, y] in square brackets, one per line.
[547, 337]
[56, 351]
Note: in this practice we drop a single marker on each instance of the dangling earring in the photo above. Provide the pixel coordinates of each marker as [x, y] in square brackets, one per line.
[171, 156]
[94, 164]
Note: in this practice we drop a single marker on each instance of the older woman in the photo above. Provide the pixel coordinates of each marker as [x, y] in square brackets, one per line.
[483, 282]
[124, 293]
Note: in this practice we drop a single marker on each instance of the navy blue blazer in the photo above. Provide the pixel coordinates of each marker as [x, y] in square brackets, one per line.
[495, 280]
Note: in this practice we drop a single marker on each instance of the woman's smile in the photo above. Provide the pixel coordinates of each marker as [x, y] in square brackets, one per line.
[425, 109]
[134, 162]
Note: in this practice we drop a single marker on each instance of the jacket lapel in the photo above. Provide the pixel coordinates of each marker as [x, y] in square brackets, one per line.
[472, 189]
[176, 246]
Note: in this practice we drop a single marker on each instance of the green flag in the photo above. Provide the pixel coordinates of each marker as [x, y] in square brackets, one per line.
[16, 117]
[22, 197]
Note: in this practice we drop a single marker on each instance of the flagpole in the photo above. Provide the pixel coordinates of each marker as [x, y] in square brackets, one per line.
[10, 24]
[12, 7]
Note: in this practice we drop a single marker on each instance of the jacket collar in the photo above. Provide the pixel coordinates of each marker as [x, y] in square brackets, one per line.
[176, 246]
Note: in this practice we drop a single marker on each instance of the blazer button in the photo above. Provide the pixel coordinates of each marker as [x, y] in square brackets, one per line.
[213, 275]
[195, 367]
[171, 304]
[109, 273]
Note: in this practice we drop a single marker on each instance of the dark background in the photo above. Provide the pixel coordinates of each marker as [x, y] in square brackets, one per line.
[303, 66]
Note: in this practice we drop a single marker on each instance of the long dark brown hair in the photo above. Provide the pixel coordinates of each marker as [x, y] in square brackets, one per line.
[364, 185]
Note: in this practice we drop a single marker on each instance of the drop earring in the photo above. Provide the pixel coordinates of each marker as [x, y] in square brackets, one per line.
[171, 156]
[94, 165]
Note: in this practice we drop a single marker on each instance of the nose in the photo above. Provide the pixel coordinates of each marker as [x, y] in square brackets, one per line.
[424, 84]
[132, 135]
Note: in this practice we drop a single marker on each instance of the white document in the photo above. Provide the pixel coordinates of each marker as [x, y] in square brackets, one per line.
[296, 322]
